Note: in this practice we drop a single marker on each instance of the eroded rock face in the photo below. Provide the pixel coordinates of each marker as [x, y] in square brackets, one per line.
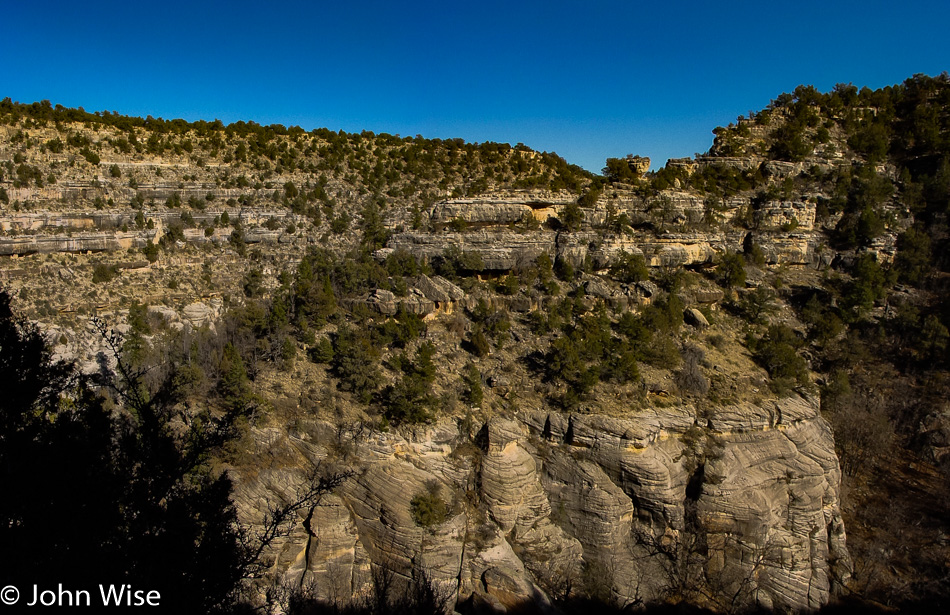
[743, 500]
[499, 250]
[79, 242]
[51, 232]
[508, 230]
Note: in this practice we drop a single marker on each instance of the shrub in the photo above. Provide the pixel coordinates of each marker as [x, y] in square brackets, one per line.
[90, 156]
[563, 269]
[321, 352]
[545, 268]
[234, 386]
[253, 283]
[288, 352]
[409, 399]
[776, 352]
[662, 352]
[104, 273]
[630, 268]
[340, 224]
[868, 285]
[454, 263]
[912, 263]
[237, 242]
[477, 343]
[572, 216]
[507, 285]
[150, 251]
[473, 393]
[730, 272]
[754, 306]
[355, 363]
[398, 331]
[427, 508]
[823, 323]
[401, 263]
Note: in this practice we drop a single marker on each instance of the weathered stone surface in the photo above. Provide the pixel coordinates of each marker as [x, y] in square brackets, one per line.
[499, 250]
[202, 313]
[167, 314]
[706, 294]
[667, 251]
[479, 212]
[338, 565]
[551, 495]
[47, 232]
[934, 433]
[438, 289]
[387, 303]
[595, 287]
[501, 208]
[638, 164]
[77, 242]
[778, 489]
[786, 214]
[489, 217]
[778, 168]
[695, 317]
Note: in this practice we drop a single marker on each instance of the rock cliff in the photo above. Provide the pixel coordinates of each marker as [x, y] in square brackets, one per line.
[742, 499]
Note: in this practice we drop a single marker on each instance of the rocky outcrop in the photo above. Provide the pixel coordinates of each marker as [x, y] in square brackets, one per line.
[200, 314]
[114, 219]
[628, 508]
[638, 164]
[426, 296]
[786, 214]
[501, 208]
[488, 222]
[785, 236]
[696, 318]
[112, 231]
[499, 250]
[438, 289]
[388, 303]
[76, 242]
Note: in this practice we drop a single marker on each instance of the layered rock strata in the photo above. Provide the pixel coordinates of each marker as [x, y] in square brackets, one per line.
[743, 499]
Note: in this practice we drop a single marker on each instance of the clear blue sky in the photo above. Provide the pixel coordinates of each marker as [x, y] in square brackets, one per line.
[588, 80]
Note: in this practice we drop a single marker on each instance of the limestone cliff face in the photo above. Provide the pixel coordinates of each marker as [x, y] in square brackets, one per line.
[52, 232]
[742, 501]
[494, 230]
[787, 232]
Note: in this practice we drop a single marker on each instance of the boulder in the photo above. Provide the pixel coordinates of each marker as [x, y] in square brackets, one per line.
[694, 317]
[438, 289]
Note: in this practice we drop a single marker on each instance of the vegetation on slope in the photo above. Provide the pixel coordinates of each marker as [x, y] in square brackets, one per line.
[867, 329]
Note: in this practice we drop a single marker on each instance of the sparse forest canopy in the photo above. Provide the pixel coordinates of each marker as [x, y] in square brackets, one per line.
[380, 160]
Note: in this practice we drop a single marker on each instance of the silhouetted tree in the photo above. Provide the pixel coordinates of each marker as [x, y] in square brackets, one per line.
[110, 489]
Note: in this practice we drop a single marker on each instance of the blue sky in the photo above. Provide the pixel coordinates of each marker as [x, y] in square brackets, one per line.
[588, 80]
